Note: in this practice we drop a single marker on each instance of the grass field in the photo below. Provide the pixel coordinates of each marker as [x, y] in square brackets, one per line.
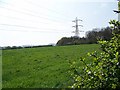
[44, 67]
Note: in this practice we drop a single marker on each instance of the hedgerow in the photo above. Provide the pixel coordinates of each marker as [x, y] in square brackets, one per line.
[104, 71]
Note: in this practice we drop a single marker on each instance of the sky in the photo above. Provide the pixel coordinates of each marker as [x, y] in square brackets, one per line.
[43, 22]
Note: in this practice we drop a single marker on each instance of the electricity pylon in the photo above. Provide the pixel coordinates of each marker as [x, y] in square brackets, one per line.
[76, 27]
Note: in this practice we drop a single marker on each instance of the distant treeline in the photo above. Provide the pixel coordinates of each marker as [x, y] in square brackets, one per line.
[20, 47]
[90, 38]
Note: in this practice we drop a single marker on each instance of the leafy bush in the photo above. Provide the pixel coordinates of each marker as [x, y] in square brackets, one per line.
[104, 71]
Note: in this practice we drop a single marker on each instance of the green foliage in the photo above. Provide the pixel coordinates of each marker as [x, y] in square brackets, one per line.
[119, 5]
[104, 71]
[42, 67]
[97, 33]
[90, 38]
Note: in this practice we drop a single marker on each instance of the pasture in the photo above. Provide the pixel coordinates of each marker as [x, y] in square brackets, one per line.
[43, 67]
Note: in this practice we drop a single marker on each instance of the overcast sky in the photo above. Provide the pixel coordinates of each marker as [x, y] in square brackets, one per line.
[40, 22]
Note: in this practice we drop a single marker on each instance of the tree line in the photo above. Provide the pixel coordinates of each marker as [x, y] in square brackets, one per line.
[91, 37]
[20, 47]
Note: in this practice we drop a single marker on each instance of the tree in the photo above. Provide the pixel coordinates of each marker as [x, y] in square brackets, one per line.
[91, 37]
[97, 33]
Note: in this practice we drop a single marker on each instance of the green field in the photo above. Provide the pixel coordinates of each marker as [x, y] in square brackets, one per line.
[44, 67]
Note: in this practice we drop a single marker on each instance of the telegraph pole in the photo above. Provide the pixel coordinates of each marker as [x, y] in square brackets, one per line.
[76, 27]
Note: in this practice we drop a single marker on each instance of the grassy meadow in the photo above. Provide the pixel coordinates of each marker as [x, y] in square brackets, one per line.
[43, 67]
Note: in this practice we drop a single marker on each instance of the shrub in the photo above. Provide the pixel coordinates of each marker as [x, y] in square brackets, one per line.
[104, 71]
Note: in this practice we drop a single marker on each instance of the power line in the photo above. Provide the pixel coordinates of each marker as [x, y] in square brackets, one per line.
[29, 14]
[31, 31]
[23, 19]
[26, 13]
[31, 21]
[54, 11]
[26, 26]
[20, 26]
[17, 18]
[30, 11]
